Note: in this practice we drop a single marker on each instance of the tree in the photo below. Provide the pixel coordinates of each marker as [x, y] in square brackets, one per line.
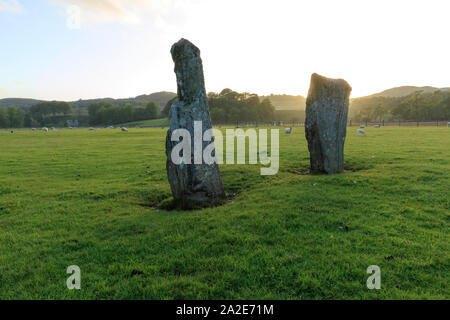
[15, 116]
[127, 112]
[47, 109]
[379, 112]
[101, 113]
[106, 114]
[266, 111]
[151, 110]
[230, 106]
[166, 110]
[443, 109]
[4, 120]
[27, 120]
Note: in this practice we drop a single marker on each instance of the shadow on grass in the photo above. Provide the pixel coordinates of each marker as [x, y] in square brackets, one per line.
[349, 167]
[235, 181]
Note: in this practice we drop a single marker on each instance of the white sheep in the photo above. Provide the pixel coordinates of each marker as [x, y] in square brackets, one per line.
[33, 129]
[124, 129]
[377, 126]
[45, 129]
[91, 129]
[288, 130]
[361, 132]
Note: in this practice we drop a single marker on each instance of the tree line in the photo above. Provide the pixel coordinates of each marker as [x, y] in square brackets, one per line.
[417, 106]
[105, 113]
[11, 117]
[229, 106]
[37, 115]
[56, 113]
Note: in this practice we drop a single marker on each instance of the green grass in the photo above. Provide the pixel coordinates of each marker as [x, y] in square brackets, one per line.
[90, 198]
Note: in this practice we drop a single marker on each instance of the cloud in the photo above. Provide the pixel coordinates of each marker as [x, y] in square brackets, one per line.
[122, 11]
[10, 5]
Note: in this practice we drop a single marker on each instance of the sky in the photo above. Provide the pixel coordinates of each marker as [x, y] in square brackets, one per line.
[82, 49]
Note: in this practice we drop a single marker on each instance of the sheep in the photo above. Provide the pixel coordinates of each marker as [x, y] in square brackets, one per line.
[91, 129]
[361, 132]
[124, 129]
[53, 128]
[362, 126]
[288, 130]
[45, 129]
[33, 129]
[377, 126]
[448, 124]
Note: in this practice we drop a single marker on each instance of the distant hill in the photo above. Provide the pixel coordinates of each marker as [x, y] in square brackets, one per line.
[160, 98]
[287, 102]
[280, 101]
[18, 102]
[293, 107]
[404, 91]
[398, 103]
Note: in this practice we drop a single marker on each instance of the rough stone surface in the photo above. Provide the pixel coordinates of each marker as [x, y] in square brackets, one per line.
[191, 183]
[326, 123]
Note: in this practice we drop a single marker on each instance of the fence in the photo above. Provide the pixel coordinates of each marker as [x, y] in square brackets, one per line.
[401, 123]
[350, 123]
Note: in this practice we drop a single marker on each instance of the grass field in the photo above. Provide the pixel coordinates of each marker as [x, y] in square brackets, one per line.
[163, 122]
[90, 198]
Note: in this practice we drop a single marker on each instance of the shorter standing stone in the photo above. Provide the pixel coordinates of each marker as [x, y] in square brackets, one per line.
[326, 123]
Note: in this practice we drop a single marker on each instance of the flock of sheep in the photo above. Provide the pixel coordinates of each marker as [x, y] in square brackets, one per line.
[45, 129]
[360, 131]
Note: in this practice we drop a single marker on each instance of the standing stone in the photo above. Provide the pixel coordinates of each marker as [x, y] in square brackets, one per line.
[326, 123]
[192, 183]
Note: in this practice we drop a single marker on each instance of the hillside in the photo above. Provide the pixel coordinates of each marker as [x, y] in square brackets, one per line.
[22, 103]
[292, 108]
[280, 101]
[287, 102]
[404, 91]
[160, 98]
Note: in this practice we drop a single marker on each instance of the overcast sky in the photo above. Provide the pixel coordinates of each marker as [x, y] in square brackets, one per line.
[121, 48]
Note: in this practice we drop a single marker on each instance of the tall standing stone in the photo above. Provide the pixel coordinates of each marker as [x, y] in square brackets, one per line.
[192, 183]
[326, 123]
